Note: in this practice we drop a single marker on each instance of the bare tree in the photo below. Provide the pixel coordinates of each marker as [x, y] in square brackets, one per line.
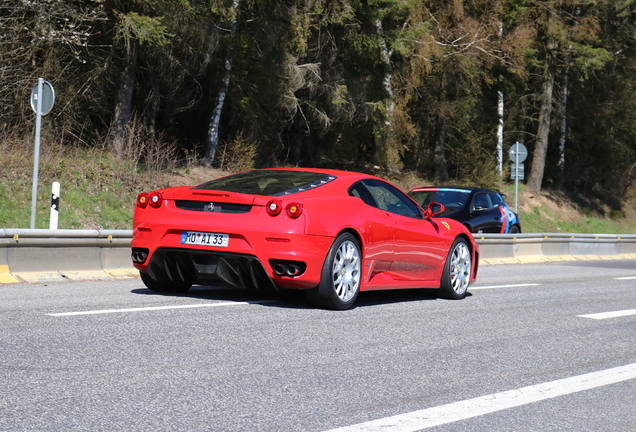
[41, 38]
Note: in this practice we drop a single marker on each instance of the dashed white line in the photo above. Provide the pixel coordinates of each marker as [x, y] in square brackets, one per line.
[607, 315]
[472, 288]
[156, 308]
[625, 278]
[444, 414]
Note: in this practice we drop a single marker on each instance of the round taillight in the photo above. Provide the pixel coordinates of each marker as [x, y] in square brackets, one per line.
[274, 207]
[154, 199]
[294, 210]
[142, 200]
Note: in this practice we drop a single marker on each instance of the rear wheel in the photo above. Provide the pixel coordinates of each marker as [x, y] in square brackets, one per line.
[514, 229]
[162, 287]
[457, 271]
[341, 275]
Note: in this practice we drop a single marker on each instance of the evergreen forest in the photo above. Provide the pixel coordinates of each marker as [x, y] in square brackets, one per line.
[443, 88]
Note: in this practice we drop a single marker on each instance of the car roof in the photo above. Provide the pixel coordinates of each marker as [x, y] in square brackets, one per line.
[335, 172]
[338, 184]
[452, 188]
[326, 171]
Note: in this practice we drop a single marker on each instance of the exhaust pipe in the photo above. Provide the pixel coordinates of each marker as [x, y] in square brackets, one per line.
[139, 256]
[292, 270]
[279, 269]
[284, 268]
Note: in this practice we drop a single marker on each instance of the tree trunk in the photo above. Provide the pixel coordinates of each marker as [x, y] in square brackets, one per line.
[545, 114]
[298, 141]
[123, 104]
[385, 155]
[150, 112]
[212, 141]
[564, 109]
[564, 124]
[440, 150]
[500, 129]
[500, 113]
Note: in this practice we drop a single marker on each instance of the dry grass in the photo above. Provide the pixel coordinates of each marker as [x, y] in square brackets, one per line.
[98, 191]
[239, 154]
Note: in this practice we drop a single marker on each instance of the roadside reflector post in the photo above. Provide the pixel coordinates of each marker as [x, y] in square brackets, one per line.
[55, 205]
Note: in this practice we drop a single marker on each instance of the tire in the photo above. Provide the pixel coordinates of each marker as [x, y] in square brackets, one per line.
[164, 288]
[341, 275]
[457, 271]
[514, 230]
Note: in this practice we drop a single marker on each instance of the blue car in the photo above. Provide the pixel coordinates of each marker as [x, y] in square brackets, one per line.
[481, 210]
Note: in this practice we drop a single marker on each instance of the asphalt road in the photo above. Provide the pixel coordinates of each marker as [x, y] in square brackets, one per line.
[113, 356]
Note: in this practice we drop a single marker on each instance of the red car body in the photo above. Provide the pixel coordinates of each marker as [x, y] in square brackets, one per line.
[283, 241]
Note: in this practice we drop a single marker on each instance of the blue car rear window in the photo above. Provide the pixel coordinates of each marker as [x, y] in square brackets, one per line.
[452, 199]
[268, 182]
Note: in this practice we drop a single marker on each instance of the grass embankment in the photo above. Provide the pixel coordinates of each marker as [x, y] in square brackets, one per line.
[99, 192]
[556, 212]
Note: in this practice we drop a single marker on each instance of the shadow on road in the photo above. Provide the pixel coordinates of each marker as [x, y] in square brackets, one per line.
[296, 300]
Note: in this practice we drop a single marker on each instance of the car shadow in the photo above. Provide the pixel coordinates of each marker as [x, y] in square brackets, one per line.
[216, 293]
[296, 299]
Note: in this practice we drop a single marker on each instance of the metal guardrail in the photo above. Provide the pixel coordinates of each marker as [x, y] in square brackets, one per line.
[18, 234]
[539, 247]
[51, 255]
[42, 255]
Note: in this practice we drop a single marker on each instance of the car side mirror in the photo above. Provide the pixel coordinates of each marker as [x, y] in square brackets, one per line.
[433, 209]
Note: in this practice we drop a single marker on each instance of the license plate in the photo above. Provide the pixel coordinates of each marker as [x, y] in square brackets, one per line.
[205, 239]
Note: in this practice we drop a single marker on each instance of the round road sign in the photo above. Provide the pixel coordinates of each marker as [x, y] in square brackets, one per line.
[518, 153]
[47, 97]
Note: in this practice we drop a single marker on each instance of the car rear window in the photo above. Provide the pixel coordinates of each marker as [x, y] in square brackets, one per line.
[269, 182]
[452, 199]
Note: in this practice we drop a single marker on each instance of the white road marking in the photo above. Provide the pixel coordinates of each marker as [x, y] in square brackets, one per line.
[472, 288]
[625, 278]
[606, 315]
[444, 414]
[156, 308]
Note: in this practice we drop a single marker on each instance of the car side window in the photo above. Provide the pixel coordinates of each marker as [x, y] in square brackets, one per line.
[496, 199]
[481, 202]
[359, 190]
[391, 199]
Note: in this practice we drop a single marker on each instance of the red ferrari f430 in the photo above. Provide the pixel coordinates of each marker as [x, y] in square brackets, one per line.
[330, 233]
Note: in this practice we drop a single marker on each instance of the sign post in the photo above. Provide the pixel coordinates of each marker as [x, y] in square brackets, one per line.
[518, 153]
[42, 99]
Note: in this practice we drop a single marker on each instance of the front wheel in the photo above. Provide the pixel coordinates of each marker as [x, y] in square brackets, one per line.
[341, 275]
[457, 271]
[162, 287]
